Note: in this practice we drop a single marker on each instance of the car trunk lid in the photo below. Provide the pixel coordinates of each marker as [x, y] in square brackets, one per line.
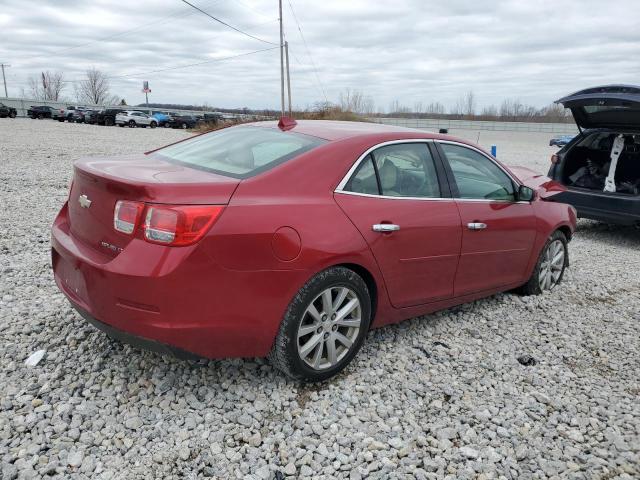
[610, 106]
[99, 183]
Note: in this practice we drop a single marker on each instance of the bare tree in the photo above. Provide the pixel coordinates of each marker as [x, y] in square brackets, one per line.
[435, 108]
[489, 111]
[397, 108]
[47, 86]
[466, 105]
[94, 88]
[356, 102]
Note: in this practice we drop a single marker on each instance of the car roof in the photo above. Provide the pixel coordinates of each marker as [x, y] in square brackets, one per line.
[338, 130]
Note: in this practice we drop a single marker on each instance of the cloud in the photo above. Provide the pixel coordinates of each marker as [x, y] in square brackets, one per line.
[411, 51]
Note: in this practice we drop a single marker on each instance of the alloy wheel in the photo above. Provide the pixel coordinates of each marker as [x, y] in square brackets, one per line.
[552, 265]
[329, 327]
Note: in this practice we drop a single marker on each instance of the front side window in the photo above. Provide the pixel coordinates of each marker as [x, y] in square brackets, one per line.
[239, 152]
[477, 177]
[398, 170]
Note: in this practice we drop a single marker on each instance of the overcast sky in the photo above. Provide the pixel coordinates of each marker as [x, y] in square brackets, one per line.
[411, 51]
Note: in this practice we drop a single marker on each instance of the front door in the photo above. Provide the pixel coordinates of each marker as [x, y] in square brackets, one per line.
[498, 232]
[394, 199]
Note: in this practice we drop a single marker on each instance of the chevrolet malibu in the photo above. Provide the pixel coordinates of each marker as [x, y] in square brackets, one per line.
[292, 240]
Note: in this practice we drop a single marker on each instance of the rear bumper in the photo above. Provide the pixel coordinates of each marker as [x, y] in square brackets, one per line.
[135, 340]
[604, 207]
[172, 299]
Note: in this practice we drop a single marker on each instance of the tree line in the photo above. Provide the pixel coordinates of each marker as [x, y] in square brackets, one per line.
[94, 88]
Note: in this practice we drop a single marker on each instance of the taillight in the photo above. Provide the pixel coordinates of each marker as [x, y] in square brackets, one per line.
[126, 216]
[179, 225]
[554, 158]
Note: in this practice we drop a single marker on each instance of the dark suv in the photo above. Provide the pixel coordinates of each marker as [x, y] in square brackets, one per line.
[601, 166]
[6, 111]
[183, 121]
[107, 116]
[41, 111]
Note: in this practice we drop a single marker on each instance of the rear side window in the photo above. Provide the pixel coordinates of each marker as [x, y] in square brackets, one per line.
[476, 176]
[240, 152]
[398, 170]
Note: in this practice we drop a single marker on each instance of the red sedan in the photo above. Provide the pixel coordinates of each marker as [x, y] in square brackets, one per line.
[293, 240]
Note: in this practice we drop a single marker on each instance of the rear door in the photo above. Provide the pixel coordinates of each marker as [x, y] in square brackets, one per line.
[398, 198]
[498, 232]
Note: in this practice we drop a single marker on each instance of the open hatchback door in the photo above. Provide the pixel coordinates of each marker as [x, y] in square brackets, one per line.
[601, 166]
[610, 106]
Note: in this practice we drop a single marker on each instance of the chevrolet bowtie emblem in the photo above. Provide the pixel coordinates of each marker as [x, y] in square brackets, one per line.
[84, 201]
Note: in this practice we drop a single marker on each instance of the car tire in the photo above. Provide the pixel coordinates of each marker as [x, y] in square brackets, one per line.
[314, 341]
[550, 267]
[153, 124]
[184, 126]
[132, 123]
[40, 116]
[12, 115]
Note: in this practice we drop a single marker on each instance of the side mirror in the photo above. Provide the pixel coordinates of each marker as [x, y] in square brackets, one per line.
[526, 194]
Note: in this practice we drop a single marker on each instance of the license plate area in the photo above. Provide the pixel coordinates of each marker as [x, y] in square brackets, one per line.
[70, 277]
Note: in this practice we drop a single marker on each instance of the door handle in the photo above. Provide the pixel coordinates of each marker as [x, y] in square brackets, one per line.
[476, 226]
[385, 227]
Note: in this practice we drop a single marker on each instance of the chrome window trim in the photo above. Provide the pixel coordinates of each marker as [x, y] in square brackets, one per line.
[345, 179]
[350, 172]
[389, 197]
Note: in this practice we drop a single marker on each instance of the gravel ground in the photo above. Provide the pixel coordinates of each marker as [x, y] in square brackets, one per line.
[442, 396]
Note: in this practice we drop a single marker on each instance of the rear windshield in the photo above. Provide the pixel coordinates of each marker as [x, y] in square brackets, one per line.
[239, 152]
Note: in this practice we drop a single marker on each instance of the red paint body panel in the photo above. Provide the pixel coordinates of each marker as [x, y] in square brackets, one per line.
[498, 255]
[226, 295]
[419, 261]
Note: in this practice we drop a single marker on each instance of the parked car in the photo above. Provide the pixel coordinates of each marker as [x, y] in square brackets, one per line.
[561, 140]
[294, 239]
[183, 121]
[161, 117]
[91, 116]
[107, 116]
[134, 118]
[211, 118]
[601, 166]
[6, 111]
[66, 113]
[40, 111]
[79, 114]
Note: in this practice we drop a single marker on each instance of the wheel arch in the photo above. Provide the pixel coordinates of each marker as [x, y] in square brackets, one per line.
[369, 280]
[566, 230]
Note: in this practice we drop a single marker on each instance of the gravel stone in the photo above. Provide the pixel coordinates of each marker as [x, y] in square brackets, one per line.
[437, 397]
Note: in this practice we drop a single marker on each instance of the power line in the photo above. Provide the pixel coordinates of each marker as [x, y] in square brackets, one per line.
[315, 69]
[178, 67]
[214, 60]
[227, 25]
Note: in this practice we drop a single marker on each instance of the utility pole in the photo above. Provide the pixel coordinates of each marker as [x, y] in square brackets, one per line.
[4, 79]
[286, 51]
[281, 61]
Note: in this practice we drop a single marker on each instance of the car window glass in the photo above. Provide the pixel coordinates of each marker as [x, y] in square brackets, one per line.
[267, 152]
[364, 179]
[477, 177]
[406, 170]
[239, 152]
